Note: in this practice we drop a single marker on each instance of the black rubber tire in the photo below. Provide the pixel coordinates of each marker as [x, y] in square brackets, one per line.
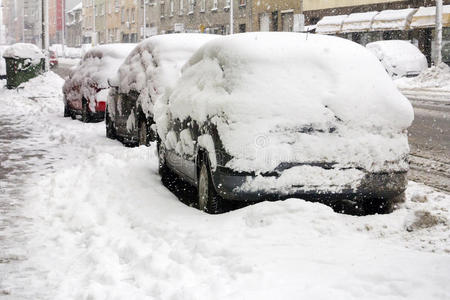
[168, 177]
[66, 111]
[110, 130]
[383, 206]
[143, 133]
[208, 201]
[85, 117]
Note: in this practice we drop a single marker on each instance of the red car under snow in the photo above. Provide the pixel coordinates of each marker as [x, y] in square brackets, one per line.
[86, 89]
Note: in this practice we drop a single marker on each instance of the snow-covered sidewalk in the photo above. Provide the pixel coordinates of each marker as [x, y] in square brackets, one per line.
[98, 224]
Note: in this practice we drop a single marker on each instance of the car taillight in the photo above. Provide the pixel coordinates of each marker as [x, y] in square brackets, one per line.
[100, 106]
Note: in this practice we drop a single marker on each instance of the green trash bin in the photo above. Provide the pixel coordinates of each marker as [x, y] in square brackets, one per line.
[19, 70]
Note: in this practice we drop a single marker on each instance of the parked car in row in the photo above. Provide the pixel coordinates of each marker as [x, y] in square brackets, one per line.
[399, 58]
[149, 71]
[308, 116]
[86, 89]
[53, 59]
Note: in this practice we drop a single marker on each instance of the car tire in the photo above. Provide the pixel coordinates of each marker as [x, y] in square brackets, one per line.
[383, 205]
[208, 200]
[143, 133]
[85, 117]
[66, 111]
[110, 130]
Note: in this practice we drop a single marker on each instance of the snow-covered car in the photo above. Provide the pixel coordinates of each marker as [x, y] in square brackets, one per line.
[86, 89]
[150, 70]
[399, 58]
[309, 116]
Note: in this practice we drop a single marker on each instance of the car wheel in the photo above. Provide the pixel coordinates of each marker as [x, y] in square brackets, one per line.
[85, 118]
[143, 133]
[383, 205]
[66, 111]
[110, 130]
[208, 200]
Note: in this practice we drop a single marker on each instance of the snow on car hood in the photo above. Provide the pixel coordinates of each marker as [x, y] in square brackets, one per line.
[297, 98]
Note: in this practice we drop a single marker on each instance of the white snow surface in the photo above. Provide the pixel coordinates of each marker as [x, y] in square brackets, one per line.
[155, 65]
[92, 73]
[435, 77]
[425, 16]
[261, 102]
[398, 19]
[399, 57]
[123, 235]
[330, 24]
[24, 50]
[359, 21]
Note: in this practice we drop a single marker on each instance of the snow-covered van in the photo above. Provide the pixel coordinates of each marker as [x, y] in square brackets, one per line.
[399, 58]
[86, 88]
[261, 116]
[150, 70]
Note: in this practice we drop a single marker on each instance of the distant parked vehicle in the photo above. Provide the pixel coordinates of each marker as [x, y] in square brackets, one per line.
[150, 70]
[308, 116]
[86, 89]
[53, 59]
[399, 58]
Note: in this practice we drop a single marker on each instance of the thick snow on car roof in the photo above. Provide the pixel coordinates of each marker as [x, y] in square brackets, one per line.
[266, 84]
[97, 65]
[396, 49]
[155, 65]
[159, 59]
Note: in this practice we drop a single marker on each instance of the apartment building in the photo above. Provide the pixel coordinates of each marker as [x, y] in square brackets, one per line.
[74, 22]
[129, 21]
[113, 24]
[55, 20]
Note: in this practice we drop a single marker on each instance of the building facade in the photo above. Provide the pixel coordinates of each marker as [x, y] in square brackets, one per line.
[74, 22]
[55, 21]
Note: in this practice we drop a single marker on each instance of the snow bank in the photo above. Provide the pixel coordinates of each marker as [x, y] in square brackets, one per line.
[400, 58]
[123, 235]
[91, 75]
[299, 98]
[154, 65]
[24, 50]
[434, 77]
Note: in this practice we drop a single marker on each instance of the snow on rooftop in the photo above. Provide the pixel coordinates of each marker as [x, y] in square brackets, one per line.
[23, 50]
[358, 22]
[425, 16]
[293, 81]
[330, 24]
[393, 19]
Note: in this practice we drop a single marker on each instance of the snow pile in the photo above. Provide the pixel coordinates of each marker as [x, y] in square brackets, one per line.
[431, 78]
[68, 51]
[154, 65]
[2, 61]
[299, 99]
[393, 19]
[123, 235]
[359, 22]
[330, 24]
[92, 73]
[24, 50]
[426, 16]
[399, 58]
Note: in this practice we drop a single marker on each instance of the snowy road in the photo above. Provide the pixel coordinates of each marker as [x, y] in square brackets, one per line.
[86, 218]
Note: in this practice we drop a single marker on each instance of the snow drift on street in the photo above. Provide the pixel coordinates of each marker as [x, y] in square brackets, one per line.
[100, 225]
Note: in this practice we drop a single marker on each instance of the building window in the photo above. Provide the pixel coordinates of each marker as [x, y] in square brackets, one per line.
[227, 4]
[242, 2]
[133, 15]
[122, 15]
[202, 5]
[215, 4]
[117, 8]
[191, 7]
[181, 7]
[162, 8]
[128, 15]
[171, 8]
[241, 28]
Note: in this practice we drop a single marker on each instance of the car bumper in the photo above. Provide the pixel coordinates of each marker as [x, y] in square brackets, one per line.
[230, 185]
